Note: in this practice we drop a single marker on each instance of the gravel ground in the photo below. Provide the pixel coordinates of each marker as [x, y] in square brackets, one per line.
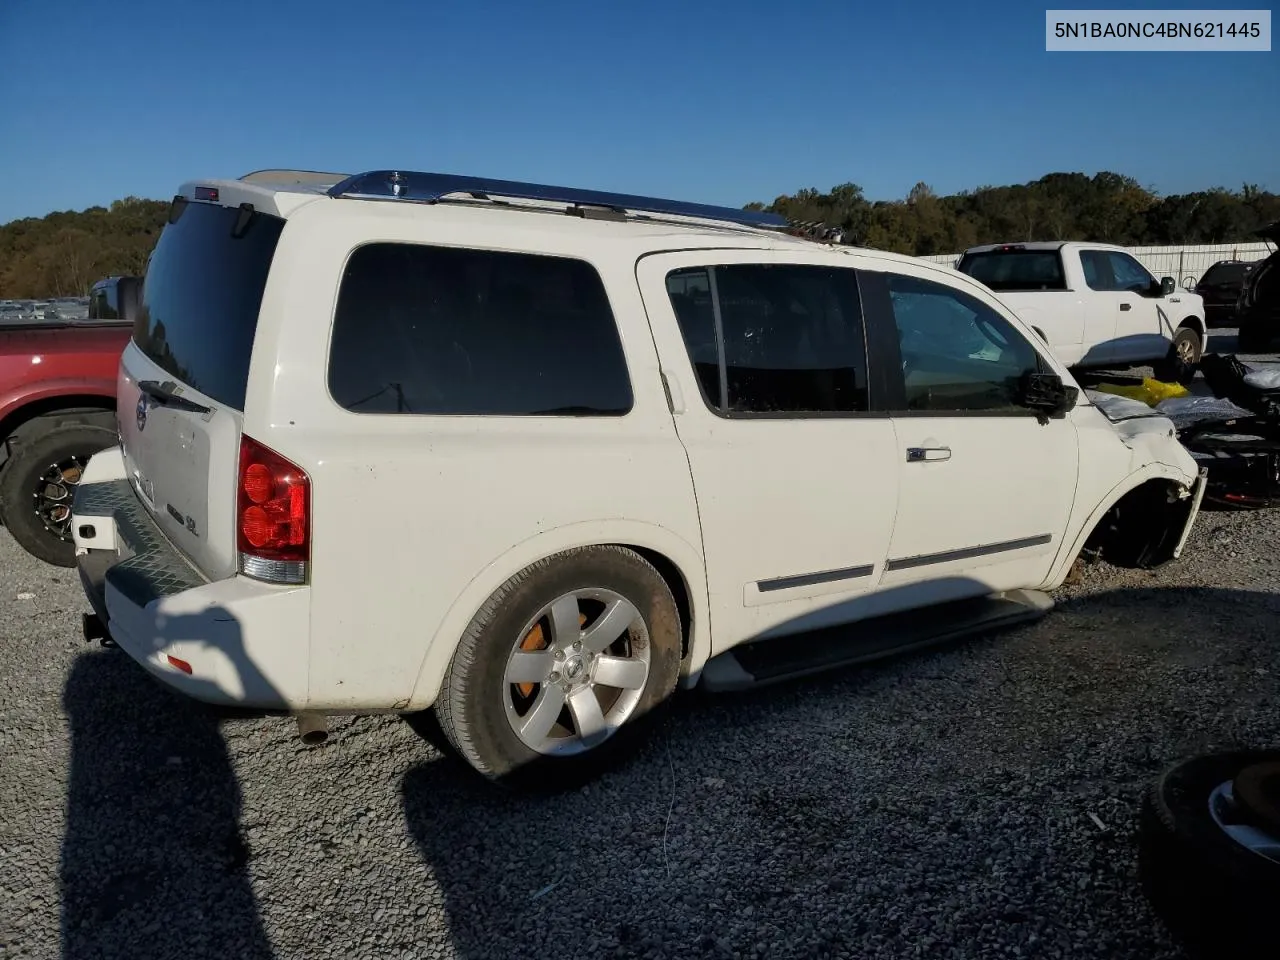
[975, 801]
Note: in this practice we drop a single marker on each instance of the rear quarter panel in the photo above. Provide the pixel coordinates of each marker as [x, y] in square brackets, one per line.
[417, 519]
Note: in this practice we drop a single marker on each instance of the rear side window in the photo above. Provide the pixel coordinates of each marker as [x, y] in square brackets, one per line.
[773, 338]
[1016, 269]
[202, 294]
[442, 330]
[1097, 269]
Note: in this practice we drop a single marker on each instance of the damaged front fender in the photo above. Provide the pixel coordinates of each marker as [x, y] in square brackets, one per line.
[1148, 526]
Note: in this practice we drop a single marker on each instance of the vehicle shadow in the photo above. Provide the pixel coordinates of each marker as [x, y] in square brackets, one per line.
[793, 821]
[153, 861]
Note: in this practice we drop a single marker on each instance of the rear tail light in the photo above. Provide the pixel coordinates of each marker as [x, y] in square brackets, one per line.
[273, 515]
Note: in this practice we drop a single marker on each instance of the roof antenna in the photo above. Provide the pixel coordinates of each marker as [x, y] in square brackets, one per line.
[397, 183]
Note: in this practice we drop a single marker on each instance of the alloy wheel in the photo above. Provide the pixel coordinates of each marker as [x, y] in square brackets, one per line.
[55, 493]
[576, 672]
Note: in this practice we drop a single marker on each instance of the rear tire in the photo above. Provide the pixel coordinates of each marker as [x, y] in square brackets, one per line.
[38, 483]
[525, 624]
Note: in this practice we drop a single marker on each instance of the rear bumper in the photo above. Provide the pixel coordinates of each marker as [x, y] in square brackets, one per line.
[245, 642]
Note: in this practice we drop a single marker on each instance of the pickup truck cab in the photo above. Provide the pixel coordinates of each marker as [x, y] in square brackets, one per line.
[1094, 304]
[534, 456]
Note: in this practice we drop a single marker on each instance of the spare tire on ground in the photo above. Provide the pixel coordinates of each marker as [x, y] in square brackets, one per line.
[1209, 854]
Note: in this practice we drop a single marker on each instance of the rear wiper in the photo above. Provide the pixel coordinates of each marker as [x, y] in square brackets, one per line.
[164, 395]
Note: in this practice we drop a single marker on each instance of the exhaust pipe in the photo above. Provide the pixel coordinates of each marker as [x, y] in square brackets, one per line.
[313, 728]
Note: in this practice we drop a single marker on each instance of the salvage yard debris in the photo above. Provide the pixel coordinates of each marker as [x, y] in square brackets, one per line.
[1235, 433]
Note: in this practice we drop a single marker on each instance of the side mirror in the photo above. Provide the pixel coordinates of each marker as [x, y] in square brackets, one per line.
[1167, 286]
[1047, 394]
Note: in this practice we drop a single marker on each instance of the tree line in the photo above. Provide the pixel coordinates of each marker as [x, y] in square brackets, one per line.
[63, 253]
[1105, 208]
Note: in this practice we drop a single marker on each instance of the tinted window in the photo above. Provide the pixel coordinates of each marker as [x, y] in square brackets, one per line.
[439, 330]
[201, 298]
[1016, 269]
[792, 339]
[957, 353]
[690, 293]
[1225, 273]
[104, 303]
[1097, 269]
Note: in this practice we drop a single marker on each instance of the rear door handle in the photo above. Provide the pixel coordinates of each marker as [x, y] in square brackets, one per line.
[1126, 306]
[926, 454]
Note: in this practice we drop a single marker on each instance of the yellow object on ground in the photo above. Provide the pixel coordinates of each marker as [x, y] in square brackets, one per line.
[1151, 392]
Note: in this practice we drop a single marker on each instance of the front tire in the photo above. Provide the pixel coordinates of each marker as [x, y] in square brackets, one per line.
[38, 484]
[1183, 357]
[562, 667]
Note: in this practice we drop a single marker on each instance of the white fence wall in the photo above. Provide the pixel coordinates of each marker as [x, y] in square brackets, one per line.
[1186, 263]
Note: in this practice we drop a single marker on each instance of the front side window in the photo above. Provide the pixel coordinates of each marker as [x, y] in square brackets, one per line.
[957, 353]
[451, 331]
[773, 339]
[1129, 274]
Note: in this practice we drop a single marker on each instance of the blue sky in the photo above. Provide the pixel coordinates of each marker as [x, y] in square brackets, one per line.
[722, 102]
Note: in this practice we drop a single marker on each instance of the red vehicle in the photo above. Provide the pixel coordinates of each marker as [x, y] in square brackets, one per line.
[57, 409]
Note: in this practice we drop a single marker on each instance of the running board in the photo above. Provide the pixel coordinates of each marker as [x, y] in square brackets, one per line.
[763, 662]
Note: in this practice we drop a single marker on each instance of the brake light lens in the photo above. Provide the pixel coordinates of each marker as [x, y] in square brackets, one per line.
[273, 515]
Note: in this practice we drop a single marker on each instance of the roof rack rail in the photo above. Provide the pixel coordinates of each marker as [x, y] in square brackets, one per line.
[434, 187]
[293, 176]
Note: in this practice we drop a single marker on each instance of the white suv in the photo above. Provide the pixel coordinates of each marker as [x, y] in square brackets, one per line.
[535, 456]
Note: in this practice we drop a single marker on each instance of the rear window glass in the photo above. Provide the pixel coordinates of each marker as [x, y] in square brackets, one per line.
[1016, 269]
[1226, 273]
[104, 303]
[441, 330]
[201, 298]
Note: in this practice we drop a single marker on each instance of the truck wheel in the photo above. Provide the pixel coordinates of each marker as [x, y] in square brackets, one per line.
[563, 666]
[1209, 858]
[39, 481]
[1184, 354]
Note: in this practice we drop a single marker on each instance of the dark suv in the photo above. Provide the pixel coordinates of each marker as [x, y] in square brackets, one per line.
[1220, 287]
[1258, 309]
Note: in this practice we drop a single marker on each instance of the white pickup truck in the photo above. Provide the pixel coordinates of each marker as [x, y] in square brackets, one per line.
[1093, 303]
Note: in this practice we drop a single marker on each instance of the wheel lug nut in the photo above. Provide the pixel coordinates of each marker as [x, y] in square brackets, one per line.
[555, 676]
[577, 644]
[559, 654]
